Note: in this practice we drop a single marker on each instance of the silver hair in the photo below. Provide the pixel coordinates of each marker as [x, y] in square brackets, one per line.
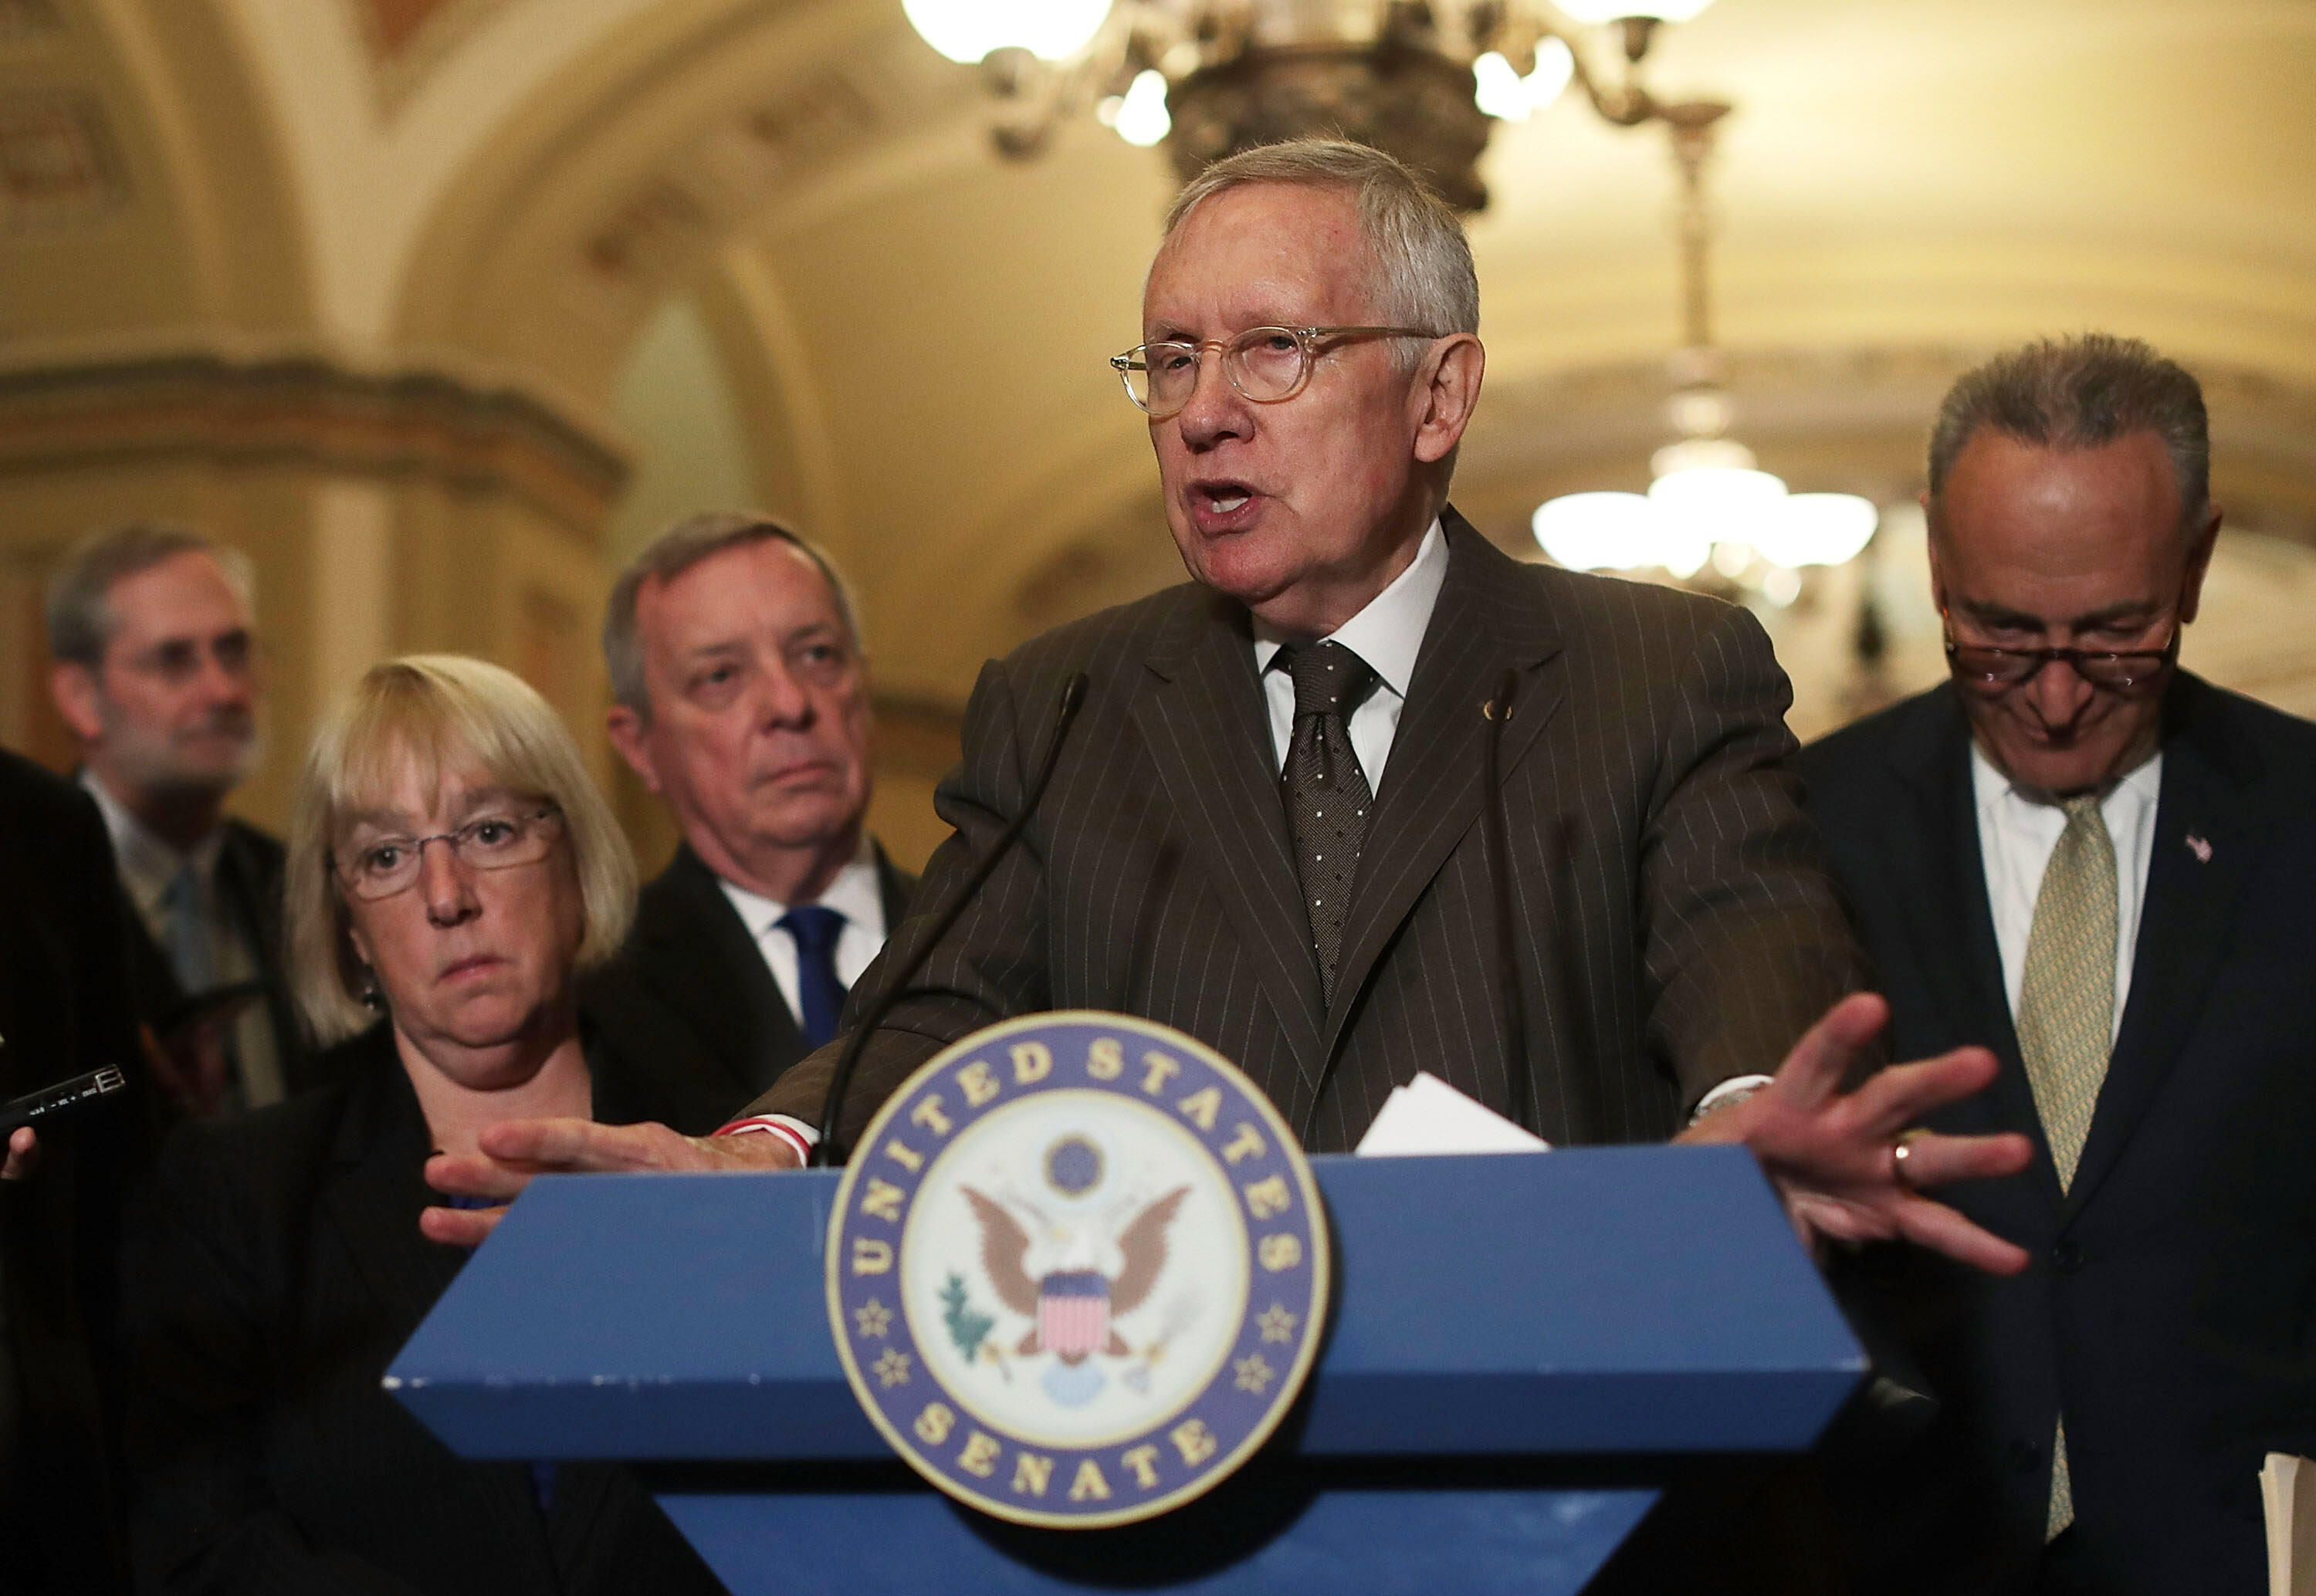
[2081, 393]
[1415, 238]
[78, 604]
[676, 551]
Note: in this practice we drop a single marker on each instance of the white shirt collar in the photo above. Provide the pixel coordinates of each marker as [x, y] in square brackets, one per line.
[856, 893]
[1388, 632]
[148, 865]
[2142, 785]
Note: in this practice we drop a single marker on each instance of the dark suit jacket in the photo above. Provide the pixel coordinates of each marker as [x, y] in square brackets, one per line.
[250, 872]
[64, 1011]
[1674, 927]
[273, 1274]
[2170, 1308]
[690, 999]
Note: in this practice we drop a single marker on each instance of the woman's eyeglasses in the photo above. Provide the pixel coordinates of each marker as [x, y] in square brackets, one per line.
[390, 865]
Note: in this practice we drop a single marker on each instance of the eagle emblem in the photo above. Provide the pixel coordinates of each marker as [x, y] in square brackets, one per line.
[1077, 1269]
[1072, 1307]
[1071, 1273]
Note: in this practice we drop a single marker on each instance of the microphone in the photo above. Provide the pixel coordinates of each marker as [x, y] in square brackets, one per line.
[1499, 709]
[825, 1153]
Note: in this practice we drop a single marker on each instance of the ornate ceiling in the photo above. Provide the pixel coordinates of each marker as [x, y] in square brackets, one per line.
[911, 332]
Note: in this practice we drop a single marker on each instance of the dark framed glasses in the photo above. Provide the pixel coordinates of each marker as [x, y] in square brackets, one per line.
[1995, 670]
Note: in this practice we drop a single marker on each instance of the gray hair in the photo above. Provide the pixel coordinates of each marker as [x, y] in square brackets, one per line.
[2081, 393]
[676, 551]
[1414, 237]
[78, 606]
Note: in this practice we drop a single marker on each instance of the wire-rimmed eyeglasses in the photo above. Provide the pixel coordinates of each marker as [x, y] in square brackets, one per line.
[1997, 670]
[389, 864]
[1265, 364]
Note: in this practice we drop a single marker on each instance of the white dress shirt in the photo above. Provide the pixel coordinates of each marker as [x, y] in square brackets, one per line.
[1387, 635]
[855, 893]
[2019, 832]
[147, 867]
[859, 896]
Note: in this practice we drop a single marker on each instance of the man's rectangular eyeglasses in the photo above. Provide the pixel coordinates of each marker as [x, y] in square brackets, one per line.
[390, 865]
[178, 660]
[1995, 670]
[1265, 364]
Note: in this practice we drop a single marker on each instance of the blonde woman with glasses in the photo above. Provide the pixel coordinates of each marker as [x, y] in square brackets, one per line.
[452, 870]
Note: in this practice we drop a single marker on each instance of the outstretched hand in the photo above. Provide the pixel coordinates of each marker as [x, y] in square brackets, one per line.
[1834, 1156]
[514, 1150]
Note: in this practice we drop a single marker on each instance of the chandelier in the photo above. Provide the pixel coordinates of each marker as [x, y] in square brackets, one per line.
[1425, 80]
[1710, 502]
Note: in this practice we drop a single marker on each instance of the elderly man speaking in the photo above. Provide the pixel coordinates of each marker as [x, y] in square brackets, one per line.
[1309, 365]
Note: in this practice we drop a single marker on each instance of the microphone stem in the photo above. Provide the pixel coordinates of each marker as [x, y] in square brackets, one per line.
[825, 1152]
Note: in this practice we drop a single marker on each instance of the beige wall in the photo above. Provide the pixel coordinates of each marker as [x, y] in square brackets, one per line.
[384, 514]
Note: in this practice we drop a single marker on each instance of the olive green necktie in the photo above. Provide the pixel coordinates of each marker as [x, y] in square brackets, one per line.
[2066, 1020]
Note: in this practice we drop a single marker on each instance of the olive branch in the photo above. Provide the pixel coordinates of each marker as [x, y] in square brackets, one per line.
[966, 1327]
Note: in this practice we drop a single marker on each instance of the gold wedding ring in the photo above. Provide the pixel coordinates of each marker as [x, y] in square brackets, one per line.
[1900, 1148]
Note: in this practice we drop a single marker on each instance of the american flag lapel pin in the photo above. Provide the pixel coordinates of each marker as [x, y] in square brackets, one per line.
[2200, 848]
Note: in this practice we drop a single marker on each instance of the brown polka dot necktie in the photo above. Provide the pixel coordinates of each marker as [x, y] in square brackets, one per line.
[1327, 795]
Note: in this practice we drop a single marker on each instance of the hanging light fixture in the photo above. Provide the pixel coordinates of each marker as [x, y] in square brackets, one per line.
[1710, 502]
[1426, 80]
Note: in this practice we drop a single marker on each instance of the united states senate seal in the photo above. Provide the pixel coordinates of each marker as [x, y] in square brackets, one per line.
[1077, 1270]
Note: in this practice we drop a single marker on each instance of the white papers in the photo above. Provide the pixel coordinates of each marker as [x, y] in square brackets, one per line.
[2287, 1487]
[1428, 1115]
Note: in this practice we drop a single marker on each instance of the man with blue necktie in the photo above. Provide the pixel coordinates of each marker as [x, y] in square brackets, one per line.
[741, 697]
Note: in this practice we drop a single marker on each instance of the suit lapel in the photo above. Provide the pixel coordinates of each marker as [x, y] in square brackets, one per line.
[697, 952]
[376, 1185]
[1484, 623]
[2183, 925]
[1200, 714]
[1936, 843]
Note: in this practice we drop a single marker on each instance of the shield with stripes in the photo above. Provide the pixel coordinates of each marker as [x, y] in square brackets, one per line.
[1074, 1313]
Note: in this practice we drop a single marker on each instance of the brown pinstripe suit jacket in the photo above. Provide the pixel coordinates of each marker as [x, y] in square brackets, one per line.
[1674, 927]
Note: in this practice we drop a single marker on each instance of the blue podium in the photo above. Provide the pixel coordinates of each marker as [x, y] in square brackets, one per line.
[1524, 1349]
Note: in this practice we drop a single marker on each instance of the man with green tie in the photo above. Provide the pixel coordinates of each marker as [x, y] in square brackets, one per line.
[2083, 857]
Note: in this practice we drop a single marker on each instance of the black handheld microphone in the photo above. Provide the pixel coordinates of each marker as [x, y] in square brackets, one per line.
[65, 1097]
[825, 1153]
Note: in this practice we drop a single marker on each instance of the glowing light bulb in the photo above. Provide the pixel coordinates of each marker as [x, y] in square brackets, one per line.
[1819, 529]
[964, 30]
[1498, 90]
[1142, 116]
[1556, 64]
[1616, 11]
[1505, 94]
[1596, 531]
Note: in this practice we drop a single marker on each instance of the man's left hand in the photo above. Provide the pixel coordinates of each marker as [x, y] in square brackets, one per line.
[514, 1150]
[1834, 1156]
